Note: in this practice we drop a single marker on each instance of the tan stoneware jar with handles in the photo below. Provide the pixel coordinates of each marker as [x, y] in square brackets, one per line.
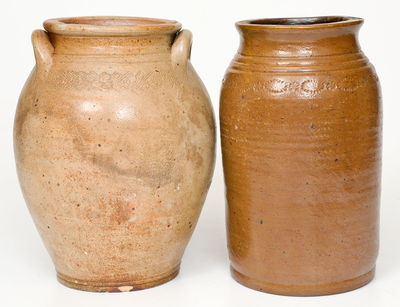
[301, 129]
[114, 142]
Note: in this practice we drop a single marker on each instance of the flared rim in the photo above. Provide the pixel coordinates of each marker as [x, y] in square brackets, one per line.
[303, 23]
[110, 25]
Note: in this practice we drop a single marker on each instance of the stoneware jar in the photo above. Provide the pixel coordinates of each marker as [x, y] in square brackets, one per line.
[114, 142]
[301, 142]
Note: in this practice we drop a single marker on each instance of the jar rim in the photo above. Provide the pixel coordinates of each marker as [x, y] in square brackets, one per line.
[111, 26]
[303, 23]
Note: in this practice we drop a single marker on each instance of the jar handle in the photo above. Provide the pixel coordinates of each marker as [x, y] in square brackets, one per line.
[181, 49]
[43, 49]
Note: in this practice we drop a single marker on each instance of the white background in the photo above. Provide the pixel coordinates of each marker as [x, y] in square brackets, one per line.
[27, 276]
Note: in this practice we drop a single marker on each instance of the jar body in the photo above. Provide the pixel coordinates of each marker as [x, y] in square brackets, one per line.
[107, 147]
[301, 145]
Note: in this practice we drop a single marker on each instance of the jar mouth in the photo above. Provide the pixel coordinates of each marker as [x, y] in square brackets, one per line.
[111, 26]
[317, 22]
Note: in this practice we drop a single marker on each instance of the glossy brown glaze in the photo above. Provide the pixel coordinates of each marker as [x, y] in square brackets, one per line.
[301, 125]
[114, 142]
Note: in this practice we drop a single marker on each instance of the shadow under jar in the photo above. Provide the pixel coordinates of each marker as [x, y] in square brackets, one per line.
[114, 142]
[301, 133]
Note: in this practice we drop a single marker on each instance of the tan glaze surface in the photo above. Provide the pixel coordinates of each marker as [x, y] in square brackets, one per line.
[114, 141]
[301, 136]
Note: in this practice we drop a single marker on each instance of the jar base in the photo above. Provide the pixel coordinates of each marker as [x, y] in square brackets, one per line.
[117, 286]
[304, 290]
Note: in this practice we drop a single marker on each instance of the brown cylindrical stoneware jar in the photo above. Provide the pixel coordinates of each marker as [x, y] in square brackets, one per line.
[301, 142]
[114, 141]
